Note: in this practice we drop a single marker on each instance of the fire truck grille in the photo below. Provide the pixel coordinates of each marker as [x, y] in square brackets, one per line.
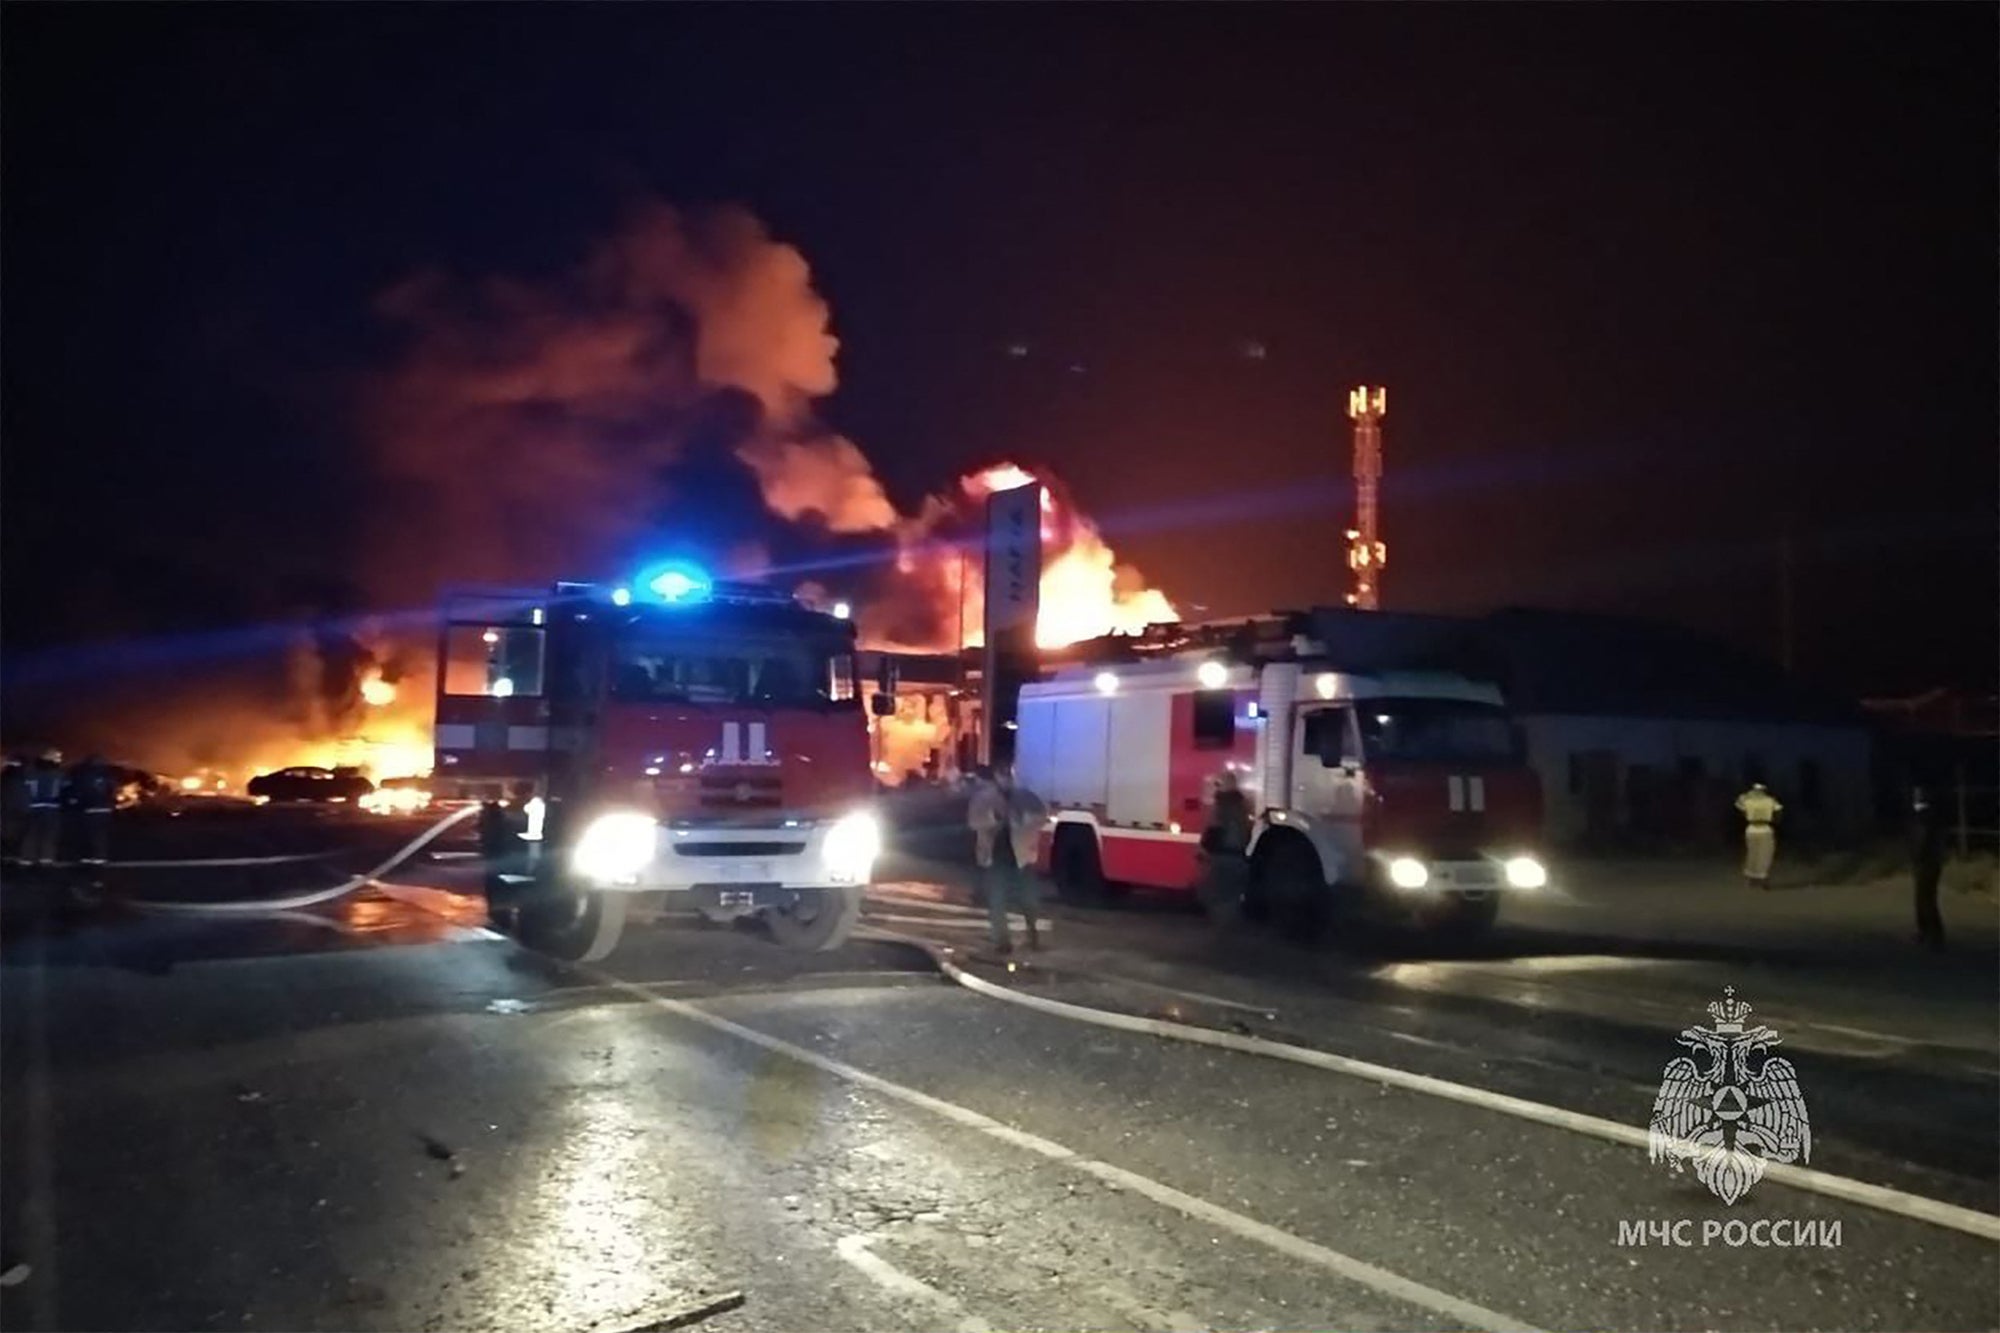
[738, 848]
[742, 793]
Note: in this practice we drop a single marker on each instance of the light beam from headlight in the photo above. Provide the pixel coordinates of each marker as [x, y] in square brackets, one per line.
[615, 847]
[1407, 872]
[1525, 872]
[851, 846]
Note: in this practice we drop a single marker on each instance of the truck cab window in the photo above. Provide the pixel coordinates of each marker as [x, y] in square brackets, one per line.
[1214, 720]
[493, 659]
[1327, 736]
[841, 686]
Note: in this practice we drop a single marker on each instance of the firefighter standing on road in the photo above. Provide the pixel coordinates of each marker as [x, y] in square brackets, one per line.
[1007, 821]
[1225, 845]
[94, 786]
[1760, 812]
[45, 789]
[1927, 865]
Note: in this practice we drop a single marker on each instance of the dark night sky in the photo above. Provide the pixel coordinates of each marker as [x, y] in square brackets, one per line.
[1643, 281]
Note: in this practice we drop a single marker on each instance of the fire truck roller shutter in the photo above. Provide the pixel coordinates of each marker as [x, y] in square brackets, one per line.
[1277, 700]
[1081, 735]
[1140, 735]
[1034, 751]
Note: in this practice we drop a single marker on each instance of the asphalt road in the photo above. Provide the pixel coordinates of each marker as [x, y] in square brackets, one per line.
[377, 1115]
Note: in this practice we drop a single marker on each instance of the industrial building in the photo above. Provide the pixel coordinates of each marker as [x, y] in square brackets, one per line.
[1644, 733]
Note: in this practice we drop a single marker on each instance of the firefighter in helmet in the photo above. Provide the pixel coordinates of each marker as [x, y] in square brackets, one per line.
[1760, 811]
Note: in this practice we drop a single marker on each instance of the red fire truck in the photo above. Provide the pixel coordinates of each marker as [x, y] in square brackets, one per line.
[1399, 789]
[679, 745]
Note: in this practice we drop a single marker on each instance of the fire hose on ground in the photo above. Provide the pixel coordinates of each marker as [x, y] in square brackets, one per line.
[317, 896]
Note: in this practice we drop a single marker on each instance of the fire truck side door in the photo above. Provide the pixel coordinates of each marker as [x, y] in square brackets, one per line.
[1326, 770]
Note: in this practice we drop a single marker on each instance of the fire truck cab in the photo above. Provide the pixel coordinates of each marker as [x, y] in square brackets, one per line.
[1380, 790]
[680, 745]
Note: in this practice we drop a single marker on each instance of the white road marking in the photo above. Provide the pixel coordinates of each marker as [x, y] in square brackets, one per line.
[939, 922]
[1394, 1285]
[854, 1249]
[217, 861]
[1880, 1197]
[1202, 997]
[944, 905]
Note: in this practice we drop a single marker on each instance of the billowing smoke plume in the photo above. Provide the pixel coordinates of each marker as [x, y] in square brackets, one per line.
[531, 430]
[662, 389]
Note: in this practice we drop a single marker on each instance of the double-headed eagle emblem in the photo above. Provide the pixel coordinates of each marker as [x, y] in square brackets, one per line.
[1730, 1106]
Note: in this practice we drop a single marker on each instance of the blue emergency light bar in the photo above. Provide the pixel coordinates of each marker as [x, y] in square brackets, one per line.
[680, 584]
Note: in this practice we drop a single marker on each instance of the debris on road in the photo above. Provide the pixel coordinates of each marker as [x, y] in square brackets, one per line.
[441, 1151]
[689, 1315]
[15, 1275]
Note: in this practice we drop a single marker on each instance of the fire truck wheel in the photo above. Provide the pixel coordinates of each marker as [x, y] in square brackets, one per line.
[1073, 859]
[819, 920]
[575, 925]
[1292, 881]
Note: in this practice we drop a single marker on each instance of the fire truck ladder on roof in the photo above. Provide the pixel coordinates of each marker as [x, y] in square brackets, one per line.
[1270, 638]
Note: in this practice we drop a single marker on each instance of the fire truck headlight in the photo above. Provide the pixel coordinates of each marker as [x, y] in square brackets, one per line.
[851, 846]
[1407, 872]
[615, 847]
[1525, 872]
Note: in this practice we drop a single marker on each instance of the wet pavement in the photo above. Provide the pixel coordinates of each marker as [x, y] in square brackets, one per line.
[377, 1114]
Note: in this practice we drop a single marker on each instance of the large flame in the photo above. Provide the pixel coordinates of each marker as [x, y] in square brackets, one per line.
[1085, 592]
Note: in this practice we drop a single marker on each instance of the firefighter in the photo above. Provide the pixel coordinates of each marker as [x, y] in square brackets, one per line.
[1927, 866]
[1225, 846]
[1007, 821]
[985, 812]
[1760, 811]
[93, 785]
[501, 826]
[45, 793]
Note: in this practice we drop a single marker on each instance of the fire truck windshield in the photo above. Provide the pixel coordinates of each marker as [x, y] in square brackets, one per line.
[655, 665]
[1436, 730]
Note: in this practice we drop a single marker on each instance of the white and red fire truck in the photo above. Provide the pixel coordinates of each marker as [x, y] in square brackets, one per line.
[678, 745]
[1387, 788]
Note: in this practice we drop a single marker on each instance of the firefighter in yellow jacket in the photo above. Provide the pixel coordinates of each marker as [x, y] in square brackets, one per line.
[1760, 812]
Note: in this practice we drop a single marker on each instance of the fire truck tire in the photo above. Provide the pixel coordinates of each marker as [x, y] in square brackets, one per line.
[1293, 883]
[1073, 861]
[821, 920]
[575, 925]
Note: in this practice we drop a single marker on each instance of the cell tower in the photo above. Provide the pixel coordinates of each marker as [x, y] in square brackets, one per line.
[1367, 553]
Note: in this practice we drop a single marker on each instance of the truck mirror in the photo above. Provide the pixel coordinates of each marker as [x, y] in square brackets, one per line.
[882, 703]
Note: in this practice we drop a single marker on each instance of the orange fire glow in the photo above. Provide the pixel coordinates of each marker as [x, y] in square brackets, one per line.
[375, 691]
[1085, 592]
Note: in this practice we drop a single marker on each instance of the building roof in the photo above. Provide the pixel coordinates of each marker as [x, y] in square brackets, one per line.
[1610, 666]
